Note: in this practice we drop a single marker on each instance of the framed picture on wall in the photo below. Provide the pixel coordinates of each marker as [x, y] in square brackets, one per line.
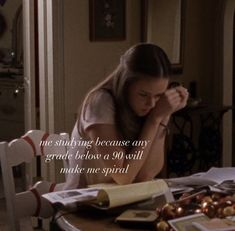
[107, 20]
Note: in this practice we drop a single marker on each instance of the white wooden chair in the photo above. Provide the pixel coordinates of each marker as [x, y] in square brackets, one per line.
[23, 150]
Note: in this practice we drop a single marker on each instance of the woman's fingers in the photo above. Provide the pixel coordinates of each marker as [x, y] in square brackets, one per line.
[167, 102]
[173, 96]
[184, 97]
[177, 97]
[171, 101]
[182, 91]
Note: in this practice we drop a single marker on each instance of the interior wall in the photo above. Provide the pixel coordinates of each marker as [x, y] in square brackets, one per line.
[199, 47]
[208, 59]
[228, 75]
[85, 62]
[164, 26]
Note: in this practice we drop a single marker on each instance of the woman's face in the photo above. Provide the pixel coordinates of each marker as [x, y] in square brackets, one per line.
[144, 93]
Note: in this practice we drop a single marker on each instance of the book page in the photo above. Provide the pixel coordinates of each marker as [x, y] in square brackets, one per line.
[219, 175]
[109, 195]
[211, 177]
[72, 196]
[125, 194]
[190, 181]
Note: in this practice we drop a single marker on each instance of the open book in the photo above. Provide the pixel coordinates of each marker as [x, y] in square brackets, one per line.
[214, 176]
[110, 196]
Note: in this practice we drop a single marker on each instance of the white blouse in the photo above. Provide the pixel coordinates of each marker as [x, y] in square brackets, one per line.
[99, 111]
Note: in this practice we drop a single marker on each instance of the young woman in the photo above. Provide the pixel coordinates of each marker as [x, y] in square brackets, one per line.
[132, 104]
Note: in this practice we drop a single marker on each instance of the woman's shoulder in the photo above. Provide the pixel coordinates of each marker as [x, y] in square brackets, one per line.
[99, 109]
[102, 96]
[101, 101]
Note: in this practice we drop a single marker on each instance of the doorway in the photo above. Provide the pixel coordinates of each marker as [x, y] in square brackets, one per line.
[11, 72]
[11, 76]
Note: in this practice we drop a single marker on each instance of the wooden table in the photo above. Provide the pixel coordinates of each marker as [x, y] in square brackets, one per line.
[95, 220]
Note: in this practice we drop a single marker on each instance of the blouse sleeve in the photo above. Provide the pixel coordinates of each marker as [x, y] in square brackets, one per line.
[99, 111]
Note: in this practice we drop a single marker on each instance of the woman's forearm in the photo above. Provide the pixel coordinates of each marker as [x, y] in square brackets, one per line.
[155, 161]
[152, 161]
[148, 134]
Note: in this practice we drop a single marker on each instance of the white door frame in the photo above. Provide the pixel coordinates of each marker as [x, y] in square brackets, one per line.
[51, 71]
[29, 64]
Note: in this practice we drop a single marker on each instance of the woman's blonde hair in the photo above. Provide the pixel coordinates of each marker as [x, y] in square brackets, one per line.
[141, 60]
